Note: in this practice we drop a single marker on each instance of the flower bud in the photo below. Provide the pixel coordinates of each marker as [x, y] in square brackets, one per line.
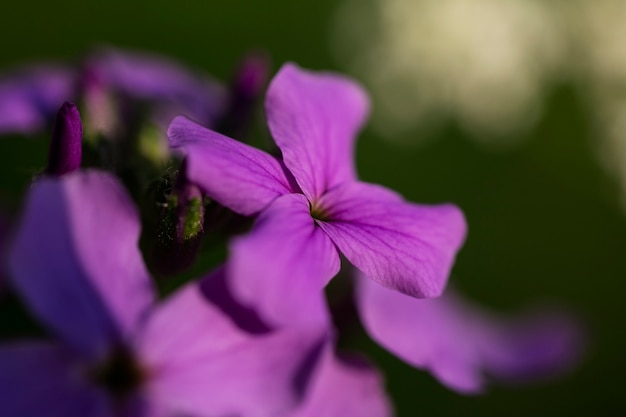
[66, 142]
[180, 228]
[246, 88]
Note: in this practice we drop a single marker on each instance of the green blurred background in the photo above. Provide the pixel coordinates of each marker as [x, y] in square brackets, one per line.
[545, 220]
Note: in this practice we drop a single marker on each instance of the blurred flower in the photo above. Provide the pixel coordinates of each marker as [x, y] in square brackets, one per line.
[30, 97]
[168, 87]
[344, 387]
[312, 205]
[76, 263]
[483, 63]
[108, 79]
[460, 343]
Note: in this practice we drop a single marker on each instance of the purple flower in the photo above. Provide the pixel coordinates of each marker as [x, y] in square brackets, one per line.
[30, 98]
[344, 387]
[312, 205]
[154, 79]
[76, 263]
[460, 343]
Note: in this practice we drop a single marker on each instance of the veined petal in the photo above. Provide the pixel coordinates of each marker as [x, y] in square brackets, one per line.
[242, 178]
[29, 100]
[40, 379]
[344, 387]
[314, 119]
[458, 343]
[202, 363]
[281, 267]
[76, 260]
[401, 245]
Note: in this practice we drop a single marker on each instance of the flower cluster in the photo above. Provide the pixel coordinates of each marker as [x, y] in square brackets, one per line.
[104, 251]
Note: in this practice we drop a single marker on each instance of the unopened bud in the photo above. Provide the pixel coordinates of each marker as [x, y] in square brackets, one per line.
[246, 88]
[66, 142]
[181, 227]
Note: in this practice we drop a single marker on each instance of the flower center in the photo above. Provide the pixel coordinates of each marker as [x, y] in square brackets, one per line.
[120, 374]
[317, 212]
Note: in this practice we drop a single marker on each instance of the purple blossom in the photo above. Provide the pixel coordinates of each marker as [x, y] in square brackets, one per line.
[29, 98]
[76, 263]
[171, 88]
[312, 205]
[460, 343]
[343, 387]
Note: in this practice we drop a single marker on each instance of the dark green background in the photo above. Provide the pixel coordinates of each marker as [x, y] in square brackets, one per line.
[545, 221]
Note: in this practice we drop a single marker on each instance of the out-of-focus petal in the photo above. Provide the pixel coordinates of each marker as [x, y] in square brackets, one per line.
[242, 178]
[216, 289]
[155, 78]
[281, 267]
[460, 344]
[76, 259]
[404, 246]
[29, 99]
[202, 363]
[38, 379]
[344, 387]
[314, 119]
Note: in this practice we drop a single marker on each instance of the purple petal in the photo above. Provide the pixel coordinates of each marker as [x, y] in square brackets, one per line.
[344, 387]
[28, 101]
[404, 246]
[76, 261]
[45, 380]
[216, 289]
[157, 79]
[202, 363]
[281, 267]
[459, 343]
[314, 119]
[238, 176]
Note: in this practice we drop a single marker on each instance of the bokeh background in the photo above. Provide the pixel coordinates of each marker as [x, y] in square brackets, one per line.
[513, 109]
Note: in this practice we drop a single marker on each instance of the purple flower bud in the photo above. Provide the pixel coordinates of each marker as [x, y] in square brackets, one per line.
[252, 76]
[247, 86]
[65, 146]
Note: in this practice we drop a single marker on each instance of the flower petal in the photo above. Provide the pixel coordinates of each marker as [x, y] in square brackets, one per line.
[281, 267]
[404, 246]
[458, 343]
[344, 387]
[155, 78]
[30, 100]
[38, 379]
[242, 178]
[202, 363]
[76, 261]
[314, 119]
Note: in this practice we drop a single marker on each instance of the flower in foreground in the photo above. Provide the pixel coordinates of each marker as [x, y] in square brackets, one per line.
[76, 263]
[311, 204]
[344, 387]
[459, 343]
